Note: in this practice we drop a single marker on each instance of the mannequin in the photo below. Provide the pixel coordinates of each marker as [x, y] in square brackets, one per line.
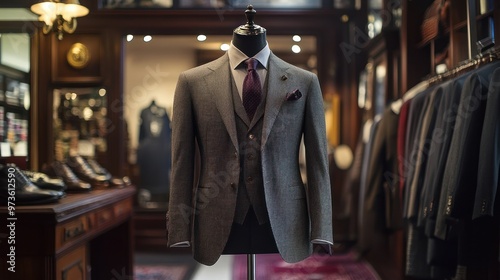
[153, 152]
[249, 38]
[248, 197]
[250, 237]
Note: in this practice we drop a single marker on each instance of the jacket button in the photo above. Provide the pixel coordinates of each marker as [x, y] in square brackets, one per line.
[251, 136]
[250, 179]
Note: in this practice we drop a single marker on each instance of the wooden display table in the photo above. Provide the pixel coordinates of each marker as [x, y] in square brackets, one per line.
[83, 236]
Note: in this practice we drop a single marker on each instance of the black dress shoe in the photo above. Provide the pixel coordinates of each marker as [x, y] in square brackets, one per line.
[83, 170]
[43, 181]
[98, 169]
[114, 182]
[73, 183]
[18, 189]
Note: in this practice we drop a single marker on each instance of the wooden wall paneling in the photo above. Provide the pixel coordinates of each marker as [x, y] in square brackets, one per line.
[63, 72]
[44, 113]
[113, 82]
[415, 61]
[496, 16]
[34, 128]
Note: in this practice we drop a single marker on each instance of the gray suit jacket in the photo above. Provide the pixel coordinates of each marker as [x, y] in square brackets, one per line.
[202, 204]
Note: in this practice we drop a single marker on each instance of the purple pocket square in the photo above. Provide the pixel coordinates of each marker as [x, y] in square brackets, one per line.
[294, 95]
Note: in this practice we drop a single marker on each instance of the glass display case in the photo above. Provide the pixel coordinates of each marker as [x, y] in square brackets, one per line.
[14, 95]
[375, 17]
[80, 122]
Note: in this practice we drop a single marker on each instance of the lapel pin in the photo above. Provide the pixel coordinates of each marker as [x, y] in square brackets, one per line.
[284, 78]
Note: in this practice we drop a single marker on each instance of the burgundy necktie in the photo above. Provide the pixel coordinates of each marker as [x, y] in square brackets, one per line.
[252, 90]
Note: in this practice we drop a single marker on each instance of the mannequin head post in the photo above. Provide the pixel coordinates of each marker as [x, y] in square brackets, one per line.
[249, 38]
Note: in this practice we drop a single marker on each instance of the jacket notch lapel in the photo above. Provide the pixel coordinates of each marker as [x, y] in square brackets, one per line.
[219, 83]
[276, 94]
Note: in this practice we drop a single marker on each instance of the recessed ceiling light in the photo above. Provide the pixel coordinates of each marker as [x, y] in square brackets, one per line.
[130, 37]
[201, 38]
[224, 47]
[147, 38]
[296, 38]
[295, 49]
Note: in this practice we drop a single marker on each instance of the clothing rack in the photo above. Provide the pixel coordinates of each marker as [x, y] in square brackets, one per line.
[470, 64]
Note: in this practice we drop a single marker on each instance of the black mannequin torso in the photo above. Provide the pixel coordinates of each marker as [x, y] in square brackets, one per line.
[250, 237]
[249, 44]
[249, 38]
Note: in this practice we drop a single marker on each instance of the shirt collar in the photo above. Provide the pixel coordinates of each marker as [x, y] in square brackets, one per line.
[236, 57]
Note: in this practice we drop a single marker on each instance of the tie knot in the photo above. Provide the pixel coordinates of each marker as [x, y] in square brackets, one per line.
[251, 64]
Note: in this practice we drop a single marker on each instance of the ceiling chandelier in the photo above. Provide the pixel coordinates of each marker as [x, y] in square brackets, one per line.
[59, 16]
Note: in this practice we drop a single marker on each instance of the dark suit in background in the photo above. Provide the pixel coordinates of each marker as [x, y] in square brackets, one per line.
[460, 178]
[381, 199]
[153, 152]
[440, 253]
[416, 246]
[489, 154]
[369, 131]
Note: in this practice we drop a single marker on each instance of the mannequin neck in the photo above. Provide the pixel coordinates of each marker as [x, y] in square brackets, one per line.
[249, 44]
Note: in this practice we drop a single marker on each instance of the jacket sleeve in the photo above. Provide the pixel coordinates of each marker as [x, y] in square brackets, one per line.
[181, 208]
[318, 178]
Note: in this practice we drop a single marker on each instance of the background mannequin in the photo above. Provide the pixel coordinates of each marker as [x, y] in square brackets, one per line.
[153, 152]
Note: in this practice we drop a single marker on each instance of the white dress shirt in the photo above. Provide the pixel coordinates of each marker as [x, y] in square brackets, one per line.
[239, 69]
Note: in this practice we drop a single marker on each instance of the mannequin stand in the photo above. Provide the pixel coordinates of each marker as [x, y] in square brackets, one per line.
[250, 267]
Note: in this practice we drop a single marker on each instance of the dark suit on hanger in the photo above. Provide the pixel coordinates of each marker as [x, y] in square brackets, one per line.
[381, 198]
[438, 152]
[382, 192]
[417, 249]
[413, 131]
[417, 243]
[422, 150]
[402, 125]
[460, 175]
[460, 178]
[489, 153]
[364, 232]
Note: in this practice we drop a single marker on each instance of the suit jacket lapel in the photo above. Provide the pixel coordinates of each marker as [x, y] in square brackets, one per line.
[219, 83]
[276, 93]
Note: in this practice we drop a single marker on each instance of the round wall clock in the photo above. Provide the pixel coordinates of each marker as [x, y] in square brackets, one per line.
[78, 55]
